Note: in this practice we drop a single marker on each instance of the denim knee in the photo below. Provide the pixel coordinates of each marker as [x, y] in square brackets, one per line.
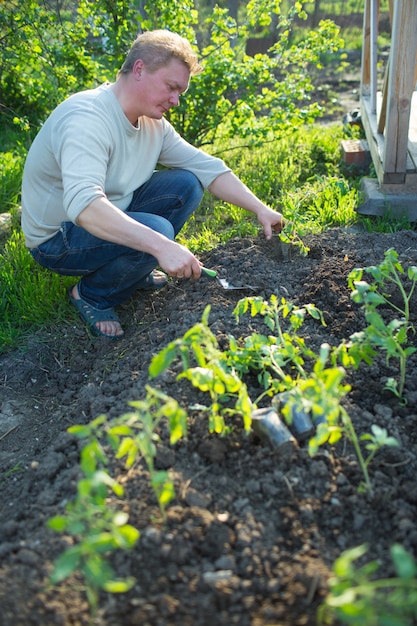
[156, 222]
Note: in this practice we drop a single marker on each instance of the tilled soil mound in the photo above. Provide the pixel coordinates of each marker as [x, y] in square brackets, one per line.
[251, 536]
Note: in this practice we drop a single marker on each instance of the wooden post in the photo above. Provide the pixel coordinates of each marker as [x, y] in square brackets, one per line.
[373, 52]
[366, 47]
[400, 88]
[383, 111]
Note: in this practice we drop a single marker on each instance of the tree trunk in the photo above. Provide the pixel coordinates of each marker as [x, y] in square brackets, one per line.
[315, 18]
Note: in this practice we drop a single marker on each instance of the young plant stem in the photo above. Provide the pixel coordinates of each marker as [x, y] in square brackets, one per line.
[351, 433]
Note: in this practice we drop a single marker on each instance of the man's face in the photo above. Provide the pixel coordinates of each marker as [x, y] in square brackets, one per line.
[159, 91]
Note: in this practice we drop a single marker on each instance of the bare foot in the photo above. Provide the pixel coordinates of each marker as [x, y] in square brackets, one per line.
[110, 328]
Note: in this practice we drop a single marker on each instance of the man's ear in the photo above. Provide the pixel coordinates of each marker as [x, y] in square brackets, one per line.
[137, 68]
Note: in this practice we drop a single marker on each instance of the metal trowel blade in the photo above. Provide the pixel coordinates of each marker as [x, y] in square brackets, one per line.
[226, 285]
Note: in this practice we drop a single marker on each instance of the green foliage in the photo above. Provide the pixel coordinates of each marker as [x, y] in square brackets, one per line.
[278, 358]
[296, 172]
[323, 201]
[238, 96]
[206, 367]
[48, 54]
[44, 57]
[392, 336]
[282, 362]
[133, 436]
[357, 597]
[97, 529]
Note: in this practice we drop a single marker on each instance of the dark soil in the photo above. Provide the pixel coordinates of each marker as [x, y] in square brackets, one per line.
[251, 536]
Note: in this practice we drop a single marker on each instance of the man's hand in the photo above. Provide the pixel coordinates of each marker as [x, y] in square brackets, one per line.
[177, 261]
[270, 220]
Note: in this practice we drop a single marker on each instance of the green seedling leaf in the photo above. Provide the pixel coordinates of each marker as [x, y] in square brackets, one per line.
[119, 586]
[91, 455]
[101, 543]
[405, 564]
[80, 431]
[392, 386]
[381, 436]
[97, 570]
[372, 298]
[163, 487]
[127, 536]
[178, 424]
[315, 313]
[66, 564]
[412, 273]
[120, 430]
[103, 478]
[206, 314]
[57, 523]
[129, 448]
[204, 379]
[163, 360]
[344, 564]
[98, 421]
[354, 277]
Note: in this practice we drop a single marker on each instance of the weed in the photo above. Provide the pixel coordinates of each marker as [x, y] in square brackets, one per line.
[10, 472]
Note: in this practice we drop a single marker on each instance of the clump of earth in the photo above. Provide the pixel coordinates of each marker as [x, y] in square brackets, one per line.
[251, 536]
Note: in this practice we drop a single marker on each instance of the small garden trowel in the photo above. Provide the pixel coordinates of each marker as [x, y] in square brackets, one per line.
[224, 282]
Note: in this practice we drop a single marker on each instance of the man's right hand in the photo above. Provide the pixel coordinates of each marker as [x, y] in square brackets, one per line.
[177, 261]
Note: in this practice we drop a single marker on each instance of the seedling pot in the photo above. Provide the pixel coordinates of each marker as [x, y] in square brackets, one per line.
[282, 250]
[301, 425]
[267, 425]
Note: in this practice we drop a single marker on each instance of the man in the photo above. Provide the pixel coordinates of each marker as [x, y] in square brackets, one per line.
[92, 203]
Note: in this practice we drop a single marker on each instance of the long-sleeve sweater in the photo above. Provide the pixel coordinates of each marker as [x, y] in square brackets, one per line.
[88, 149]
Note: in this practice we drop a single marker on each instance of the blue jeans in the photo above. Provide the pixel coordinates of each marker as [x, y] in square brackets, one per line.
[111, 272]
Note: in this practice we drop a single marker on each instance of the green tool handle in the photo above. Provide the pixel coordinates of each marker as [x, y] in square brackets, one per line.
[207, 272]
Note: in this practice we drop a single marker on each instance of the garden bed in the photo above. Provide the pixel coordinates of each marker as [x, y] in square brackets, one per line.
[251, 537]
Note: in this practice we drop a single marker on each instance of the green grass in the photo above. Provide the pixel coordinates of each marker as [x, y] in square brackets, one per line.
[299, 173]
[11, 168]
[31, 297]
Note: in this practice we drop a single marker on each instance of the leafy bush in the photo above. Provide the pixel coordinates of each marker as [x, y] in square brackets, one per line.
[47, 55]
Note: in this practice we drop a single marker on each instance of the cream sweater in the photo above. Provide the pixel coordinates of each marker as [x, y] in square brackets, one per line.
[87, 149]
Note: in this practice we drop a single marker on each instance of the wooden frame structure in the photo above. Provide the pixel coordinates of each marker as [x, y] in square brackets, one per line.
[389, 116]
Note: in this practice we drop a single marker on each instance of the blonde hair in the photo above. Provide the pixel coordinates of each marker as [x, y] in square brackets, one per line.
[156, 48]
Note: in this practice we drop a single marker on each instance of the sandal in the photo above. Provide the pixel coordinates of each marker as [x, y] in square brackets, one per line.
[91, 316]
[154, 280]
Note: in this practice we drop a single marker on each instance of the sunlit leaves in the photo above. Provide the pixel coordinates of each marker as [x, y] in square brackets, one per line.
[390, 336]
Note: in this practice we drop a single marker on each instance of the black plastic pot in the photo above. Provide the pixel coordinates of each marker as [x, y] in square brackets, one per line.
[267, 425]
